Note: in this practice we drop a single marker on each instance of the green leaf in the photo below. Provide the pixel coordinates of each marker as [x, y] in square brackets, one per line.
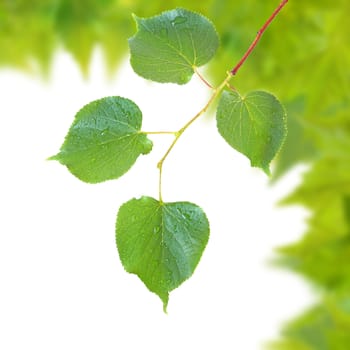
[167, 48]
[254, 125]
[324, 327]
[162, 243]
[104, 140]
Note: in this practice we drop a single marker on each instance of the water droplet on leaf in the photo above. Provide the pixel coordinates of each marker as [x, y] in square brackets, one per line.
[178, 20]
[104, 132]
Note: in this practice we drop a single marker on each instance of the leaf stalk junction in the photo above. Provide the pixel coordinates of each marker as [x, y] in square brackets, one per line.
[177, 134]
[216, 92]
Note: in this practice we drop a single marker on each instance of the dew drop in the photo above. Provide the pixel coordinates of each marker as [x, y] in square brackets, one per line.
[104, 132]
[187, 216]
[156, 230]
[178, 20]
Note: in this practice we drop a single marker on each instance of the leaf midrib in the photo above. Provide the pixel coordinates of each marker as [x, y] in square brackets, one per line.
[169, 45]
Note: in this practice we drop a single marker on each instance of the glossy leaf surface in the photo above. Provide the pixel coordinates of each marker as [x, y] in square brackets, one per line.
[104, 140]
[161, 242]
[254, 125]
[166, 48]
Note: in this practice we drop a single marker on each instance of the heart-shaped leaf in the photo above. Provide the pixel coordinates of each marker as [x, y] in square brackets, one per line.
[167, 48]
[254, 125]
[104, 140]
[162, 243]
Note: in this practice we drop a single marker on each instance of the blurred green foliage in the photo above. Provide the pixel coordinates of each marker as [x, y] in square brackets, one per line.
[304, 58]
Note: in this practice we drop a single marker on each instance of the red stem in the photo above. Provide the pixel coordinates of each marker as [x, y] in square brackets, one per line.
[258, 36]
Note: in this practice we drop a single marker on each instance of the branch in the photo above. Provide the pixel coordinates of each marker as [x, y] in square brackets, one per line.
[178, 134]
[258, 36]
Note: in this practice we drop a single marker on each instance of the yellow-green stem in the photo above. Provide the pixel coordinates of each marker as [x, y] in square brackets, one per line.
[178, 134]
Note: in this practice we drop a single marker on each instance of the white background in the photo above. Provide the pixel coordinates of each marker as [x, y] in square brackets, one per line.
[62, 285]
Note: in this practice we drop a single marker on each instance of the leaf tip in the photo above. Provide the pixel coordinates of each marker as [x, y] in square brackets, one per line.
[55, 157]
[266, 170]
[165, 300]
[136, 18]
[263, 166]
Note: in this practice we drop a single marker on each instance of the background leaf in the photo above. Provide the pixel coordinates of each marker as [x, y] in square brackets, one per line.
[167, 48]
[104, 140]
[161, 242]
[323, 327]
[254, 125]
